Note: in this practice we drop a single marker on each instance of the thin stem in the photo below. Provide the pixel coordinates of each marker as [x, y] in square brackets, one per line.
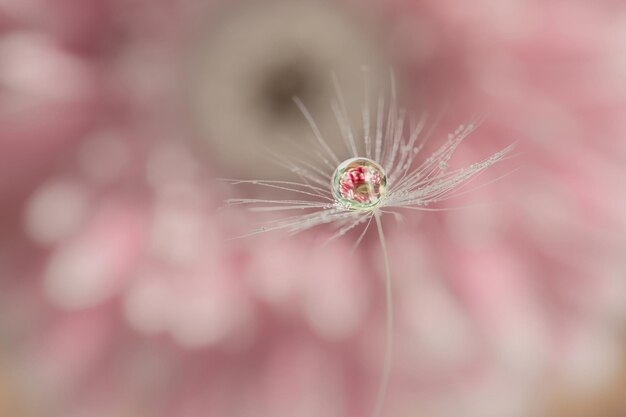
[384, 379]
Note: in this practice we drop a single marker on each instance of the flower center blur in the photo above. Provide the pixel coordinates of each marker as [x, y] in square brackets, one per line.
[359, 183]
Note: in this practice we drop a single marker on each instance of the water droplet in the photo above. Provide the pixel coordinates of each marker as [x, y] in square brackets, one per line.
[359, 183]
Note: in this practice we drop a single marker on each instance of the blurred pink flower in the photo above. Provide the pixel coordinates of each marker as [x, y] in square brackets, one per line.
[121, 294]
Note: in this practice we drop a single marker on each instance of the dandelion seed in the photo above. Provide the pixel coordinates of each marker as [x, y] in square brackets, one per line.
[381, 175]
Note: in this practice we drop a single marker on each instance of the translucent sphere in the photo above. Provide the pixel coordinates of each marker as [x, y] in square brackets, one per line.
[359, 183]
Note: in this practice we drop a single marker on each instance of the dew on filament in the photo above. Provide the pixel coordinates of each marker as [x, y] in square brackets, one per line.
[359, 183]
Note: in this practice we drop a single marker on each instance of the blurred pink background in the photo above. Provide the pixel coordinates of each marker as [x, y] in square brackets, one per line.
[122, 294]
